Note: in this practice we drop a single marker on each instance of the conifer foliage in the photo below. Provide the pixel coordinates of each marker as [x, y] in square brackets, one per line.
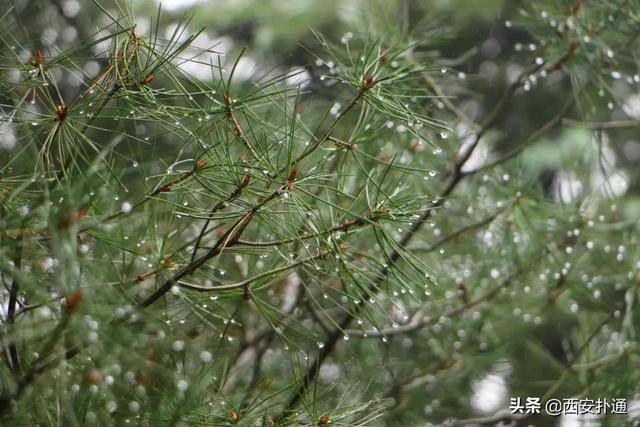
[367, 238]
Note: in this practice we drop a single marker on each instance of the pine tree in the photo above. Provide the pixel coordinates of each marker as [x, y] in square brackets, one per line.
[372, 237]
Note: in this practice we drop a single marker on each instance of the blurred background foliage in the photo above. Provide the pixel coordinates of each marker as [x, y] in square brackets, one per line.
[561, 242]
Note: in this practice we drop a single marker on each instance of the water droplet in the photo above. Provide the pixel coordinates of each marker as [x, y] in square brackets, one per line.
[335, 109]
[178, 345]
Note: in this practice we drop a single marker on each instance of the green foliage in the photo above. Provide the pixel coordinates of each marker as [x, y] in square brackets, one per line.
[361, 236]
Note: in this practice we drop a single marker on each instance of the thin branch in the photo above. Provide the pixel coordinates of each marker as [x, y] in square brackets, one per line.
[237, 129]
[227, 239]
[534, 137]
[613, 124]
[457, 233]
[246, 282]
[220, 205]
[343, 227]
[159, 189]
[448, 104]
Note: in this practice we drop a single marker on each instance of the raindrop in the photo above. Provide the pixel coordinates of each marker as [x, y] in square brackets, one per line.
[178, 345]
[111, 406]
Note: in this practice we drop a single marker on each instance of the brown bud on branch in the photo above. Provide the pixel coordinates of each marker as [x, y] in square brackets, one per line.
[292, 175]
[201, 164]
[73, 301]
[245, 181]
[36, 61]
[61, 112]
